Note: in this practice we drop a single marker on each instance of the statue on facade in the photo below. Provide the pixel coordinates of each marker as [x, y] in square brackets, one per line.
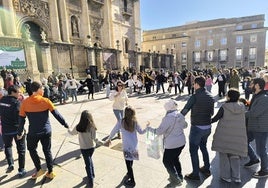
[43, 36]
[27, 32]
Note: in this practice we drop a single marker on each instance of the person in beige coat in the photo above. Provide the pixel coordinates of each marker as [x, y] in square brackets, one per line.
[230, 137]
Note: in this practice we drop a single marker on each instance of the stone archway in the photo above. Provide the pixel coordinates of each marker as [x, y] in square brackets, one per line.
[35, 35]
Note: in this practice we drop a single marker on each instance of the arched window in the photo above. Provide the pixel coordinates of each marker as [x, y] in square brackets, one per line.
[126, 45]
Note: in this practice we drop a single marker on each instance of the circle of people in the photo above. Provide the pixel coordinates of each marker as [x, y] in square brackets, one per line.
[240, 121]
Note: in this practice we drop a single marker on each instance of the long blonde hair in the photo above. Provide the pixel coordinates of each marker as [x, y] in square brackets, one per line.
[129, 121]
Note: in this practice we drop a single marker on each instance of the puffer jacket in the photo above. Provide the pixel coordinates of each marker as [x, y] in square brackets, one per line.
[230, 135]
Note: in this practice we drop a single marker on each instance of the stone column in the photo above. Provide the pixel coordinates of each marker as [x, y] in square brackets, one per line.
[30, 54]
[54, 20]
[10, 18]
[46, 58]
[1, 33]
[65, 21]
[85, 24]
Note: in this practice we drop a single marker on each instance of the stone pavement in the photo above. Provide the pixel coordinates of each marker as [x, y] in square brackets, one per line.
[109, 162]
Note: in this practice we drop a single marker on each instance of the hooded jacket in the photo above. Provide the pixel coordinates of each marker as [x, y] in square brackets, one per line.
[171, 128]
[230, 135]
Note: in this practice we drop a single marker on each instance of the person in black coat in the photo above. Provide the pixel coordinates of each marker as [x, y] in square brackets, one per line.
[90, 86]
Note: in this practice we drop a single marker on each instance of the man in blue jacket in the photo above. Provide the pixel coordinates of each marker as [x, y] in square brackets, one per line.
[9, 112]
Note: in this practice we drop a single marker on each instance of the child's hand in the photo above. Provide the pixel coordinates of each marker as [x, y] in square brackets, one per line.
[107, 143]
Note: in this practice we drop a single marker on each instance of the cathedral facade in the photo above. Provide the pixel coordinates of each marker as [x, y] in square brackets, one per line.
[69, 36]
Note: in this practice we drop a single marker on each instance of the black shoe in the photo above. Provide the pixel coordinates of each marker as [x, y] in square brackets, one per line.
[118, 135]
[205, 171]
[175, 181]
[251, 163]
[10, 168]
[192, 177]
[130, 183]
[260, 174]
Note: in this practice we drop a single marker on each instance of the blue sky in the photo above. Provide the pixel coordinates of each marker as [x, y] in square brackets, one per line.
[157, 14]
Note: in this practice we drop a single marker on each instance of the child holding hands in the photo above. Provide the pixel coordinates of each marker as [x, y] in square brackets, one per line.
[129, 128]
[86, 131]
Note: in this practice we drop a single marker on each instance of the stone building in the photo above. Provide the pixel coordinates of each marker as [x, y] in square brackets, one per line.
[235, 42]
[70, 35]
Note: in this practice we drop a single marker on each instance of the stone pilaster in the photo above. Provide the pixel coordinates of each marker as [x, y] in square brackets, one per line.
[1, 32]
[54, 20]
[85, 24]
[46, 58]
[32, 66]
[65, 21]
[10, 18]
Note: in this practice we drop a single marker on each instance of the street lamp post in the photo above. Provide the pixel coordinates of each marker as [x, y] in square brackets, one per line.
[136, 56]
[117, 55]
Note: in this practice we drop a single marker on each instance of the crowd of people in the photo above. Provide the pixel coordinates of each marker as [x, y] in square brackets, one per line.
[240, 120]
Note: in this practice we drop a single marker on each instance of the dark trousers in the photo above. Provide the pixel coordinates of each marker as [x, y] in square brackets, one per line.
[158, 87]
[172, 163]
[20, 149]
[177, 86]
[87, 155]
[32, 142]
[130, 170]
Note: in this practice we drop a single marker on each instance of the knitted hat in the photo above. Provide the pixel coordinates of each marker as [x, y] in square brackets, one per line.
[170, 105]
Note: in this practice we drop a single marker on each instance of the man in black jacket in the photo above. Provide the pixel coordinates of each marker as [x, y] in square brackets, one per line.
[201, 105]
[9, 112]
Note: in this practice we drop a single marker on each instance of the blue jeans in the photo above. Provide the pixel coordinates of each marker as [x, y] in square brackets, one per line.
[118, 114]
[251, 153]
[172, 162]
[73, 94]
[62, 96]
[8, 139]
[32, 143]
[87, 155]
[198, 138]
[261, 148]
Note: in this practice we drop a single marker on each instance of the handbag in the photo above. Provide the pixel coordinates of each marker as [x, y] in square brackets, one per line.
[154, 144]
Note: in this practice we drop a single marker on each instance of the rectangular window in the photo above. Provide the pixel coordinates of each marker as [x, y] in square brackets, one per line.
[239, 27]
[197, 56]
[174, 35]
[223, 41]
[238, 54]
[239, 39]
[184, 57]
[253, 38]
[183, 44]
[252, 53]
[209, 55]
[197, 43]
[163, 47]
[154, 37]
[254, 25]
[154, 48]
[210, 42]
[223, 55]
